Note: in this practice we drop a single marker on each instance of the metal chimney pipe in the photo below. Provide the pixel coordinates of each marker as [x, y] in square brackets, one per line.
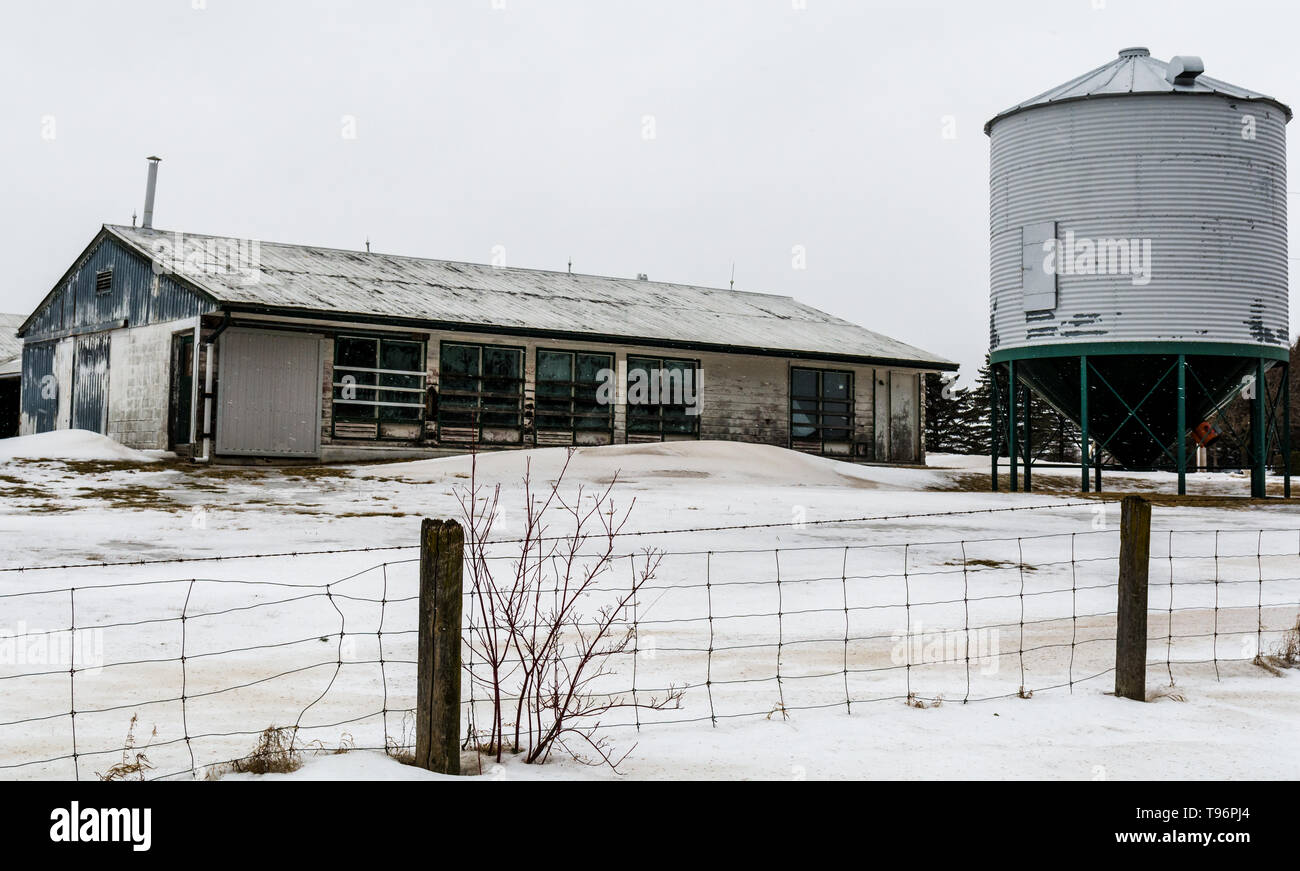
[150, 187]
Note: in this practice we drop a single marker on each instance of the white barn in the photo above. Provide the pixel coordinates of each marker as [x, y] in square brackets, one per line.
[223, 348]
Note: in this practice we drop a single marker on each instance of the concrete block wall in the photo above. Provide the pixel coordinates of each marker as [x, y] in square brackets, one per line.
[139, 384]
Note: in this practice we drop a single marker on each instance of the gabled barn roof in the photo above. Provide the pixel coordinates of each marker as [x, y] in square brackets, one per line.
[302, 279]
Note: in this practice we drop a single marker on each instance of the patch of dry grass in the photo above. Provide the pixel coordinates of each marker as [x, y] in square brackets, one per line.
[275, 753]
[139, 498]
[980, 563]
[1286, 655]
[134, 762]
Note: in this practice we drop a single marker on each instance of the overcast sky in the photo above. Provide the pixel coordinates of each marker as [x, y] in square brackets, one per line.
[671, 137]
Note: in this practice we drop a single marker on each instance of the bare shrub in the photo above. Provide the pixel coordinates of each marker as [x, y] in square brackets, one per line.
[541, 645]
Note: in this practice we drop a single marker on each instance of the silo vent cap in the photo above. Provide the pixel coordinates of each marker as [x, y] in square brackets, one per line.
[1135, 51]
[1183, 69]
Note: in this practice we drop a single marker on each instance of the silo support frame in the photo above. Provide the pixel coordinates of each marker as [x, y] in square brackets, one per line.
[1286, 431]
[1028, 430]
[1182, 425]
[1083, 422]
[1182, 389]
[1012, 437]
[1259, 435]
[1134, 409]
[995, 424]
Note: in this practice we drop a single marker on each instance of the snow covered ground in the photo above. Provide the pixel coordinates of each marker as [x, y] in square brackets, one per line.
[1032, 591]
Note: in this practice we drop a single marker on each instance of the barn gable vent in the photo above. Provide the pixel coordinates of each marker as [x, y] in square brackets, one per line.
[104, 281]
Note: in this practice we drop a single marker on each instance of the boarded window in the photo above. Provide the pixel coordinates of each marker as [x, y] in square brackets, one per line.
[821, 407]
[378, 380]
[662, 397]
[568, 392]
[481, 387]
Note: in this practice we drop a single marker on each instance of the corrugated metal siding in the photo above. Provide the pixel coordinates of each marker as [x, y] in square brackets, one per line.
[90, 383]
[40, 389]
[137, 296]
[269, 393]
[1174, 169]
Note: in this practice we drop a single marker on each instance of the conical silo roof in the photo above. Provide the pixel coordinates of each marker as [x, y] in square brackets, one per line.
[1135, 71]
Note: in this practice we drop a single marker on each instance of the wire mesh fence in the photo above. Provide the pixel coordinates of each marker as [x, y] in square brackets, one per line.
[208, 663]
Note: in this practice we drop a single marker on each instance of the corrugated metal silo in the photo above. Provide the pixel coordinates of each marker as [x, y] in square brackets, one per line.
[1139, 248]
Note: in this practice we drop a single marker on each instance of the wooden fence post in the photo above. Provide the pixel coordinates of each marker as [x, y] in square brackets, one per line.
[437, 698]
[1131, 614]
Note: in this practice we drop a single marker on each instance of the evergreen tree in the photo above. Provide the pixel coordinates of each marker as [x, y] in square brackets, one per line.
[1054, 438]
[944, 413]
[976, 421]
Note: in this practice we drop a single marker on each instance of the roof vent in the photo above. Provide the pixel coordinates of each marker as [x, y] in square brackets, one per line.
[1184, 69]
[1135, 51]
[641, 276]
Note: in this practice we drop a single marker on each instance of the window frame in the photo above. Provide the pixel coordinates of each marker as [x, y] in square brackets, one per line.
[572, 414]
[522, 351]
[339, 407]
[820, 426]
[660, 408]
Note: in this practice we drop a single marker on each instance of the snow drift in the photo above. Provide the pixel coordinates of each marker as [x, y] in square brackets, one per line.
[70, 444]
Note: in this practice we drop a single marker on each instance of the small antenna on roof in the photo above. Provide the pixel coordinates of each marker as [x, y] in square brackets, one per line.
[367, 244]
[133, 217]
[732, 286]
[570, 265]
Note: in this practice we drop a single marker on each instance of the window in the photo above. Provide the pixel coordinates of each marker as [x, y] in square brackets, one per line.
[568, 392]
[378, 380]
[103, 281]
[480, 387]
[821, 405]
[662, 396]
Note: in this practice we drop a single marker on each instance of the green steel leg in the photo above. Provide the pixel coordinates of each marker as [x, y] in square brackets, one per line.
[1258, 467]
[1012, 436]
[1083, 423]
[1029, 439]
[1182, 425]
[994, 424]
[1286, 431]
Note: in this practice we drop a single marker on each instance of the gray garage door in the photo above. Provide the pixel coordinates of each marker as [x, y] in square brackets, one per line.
[268, 393]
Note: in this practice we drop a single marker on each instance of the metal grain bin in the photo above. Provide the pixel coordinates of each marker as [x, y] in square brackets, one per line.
[1138, 227]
